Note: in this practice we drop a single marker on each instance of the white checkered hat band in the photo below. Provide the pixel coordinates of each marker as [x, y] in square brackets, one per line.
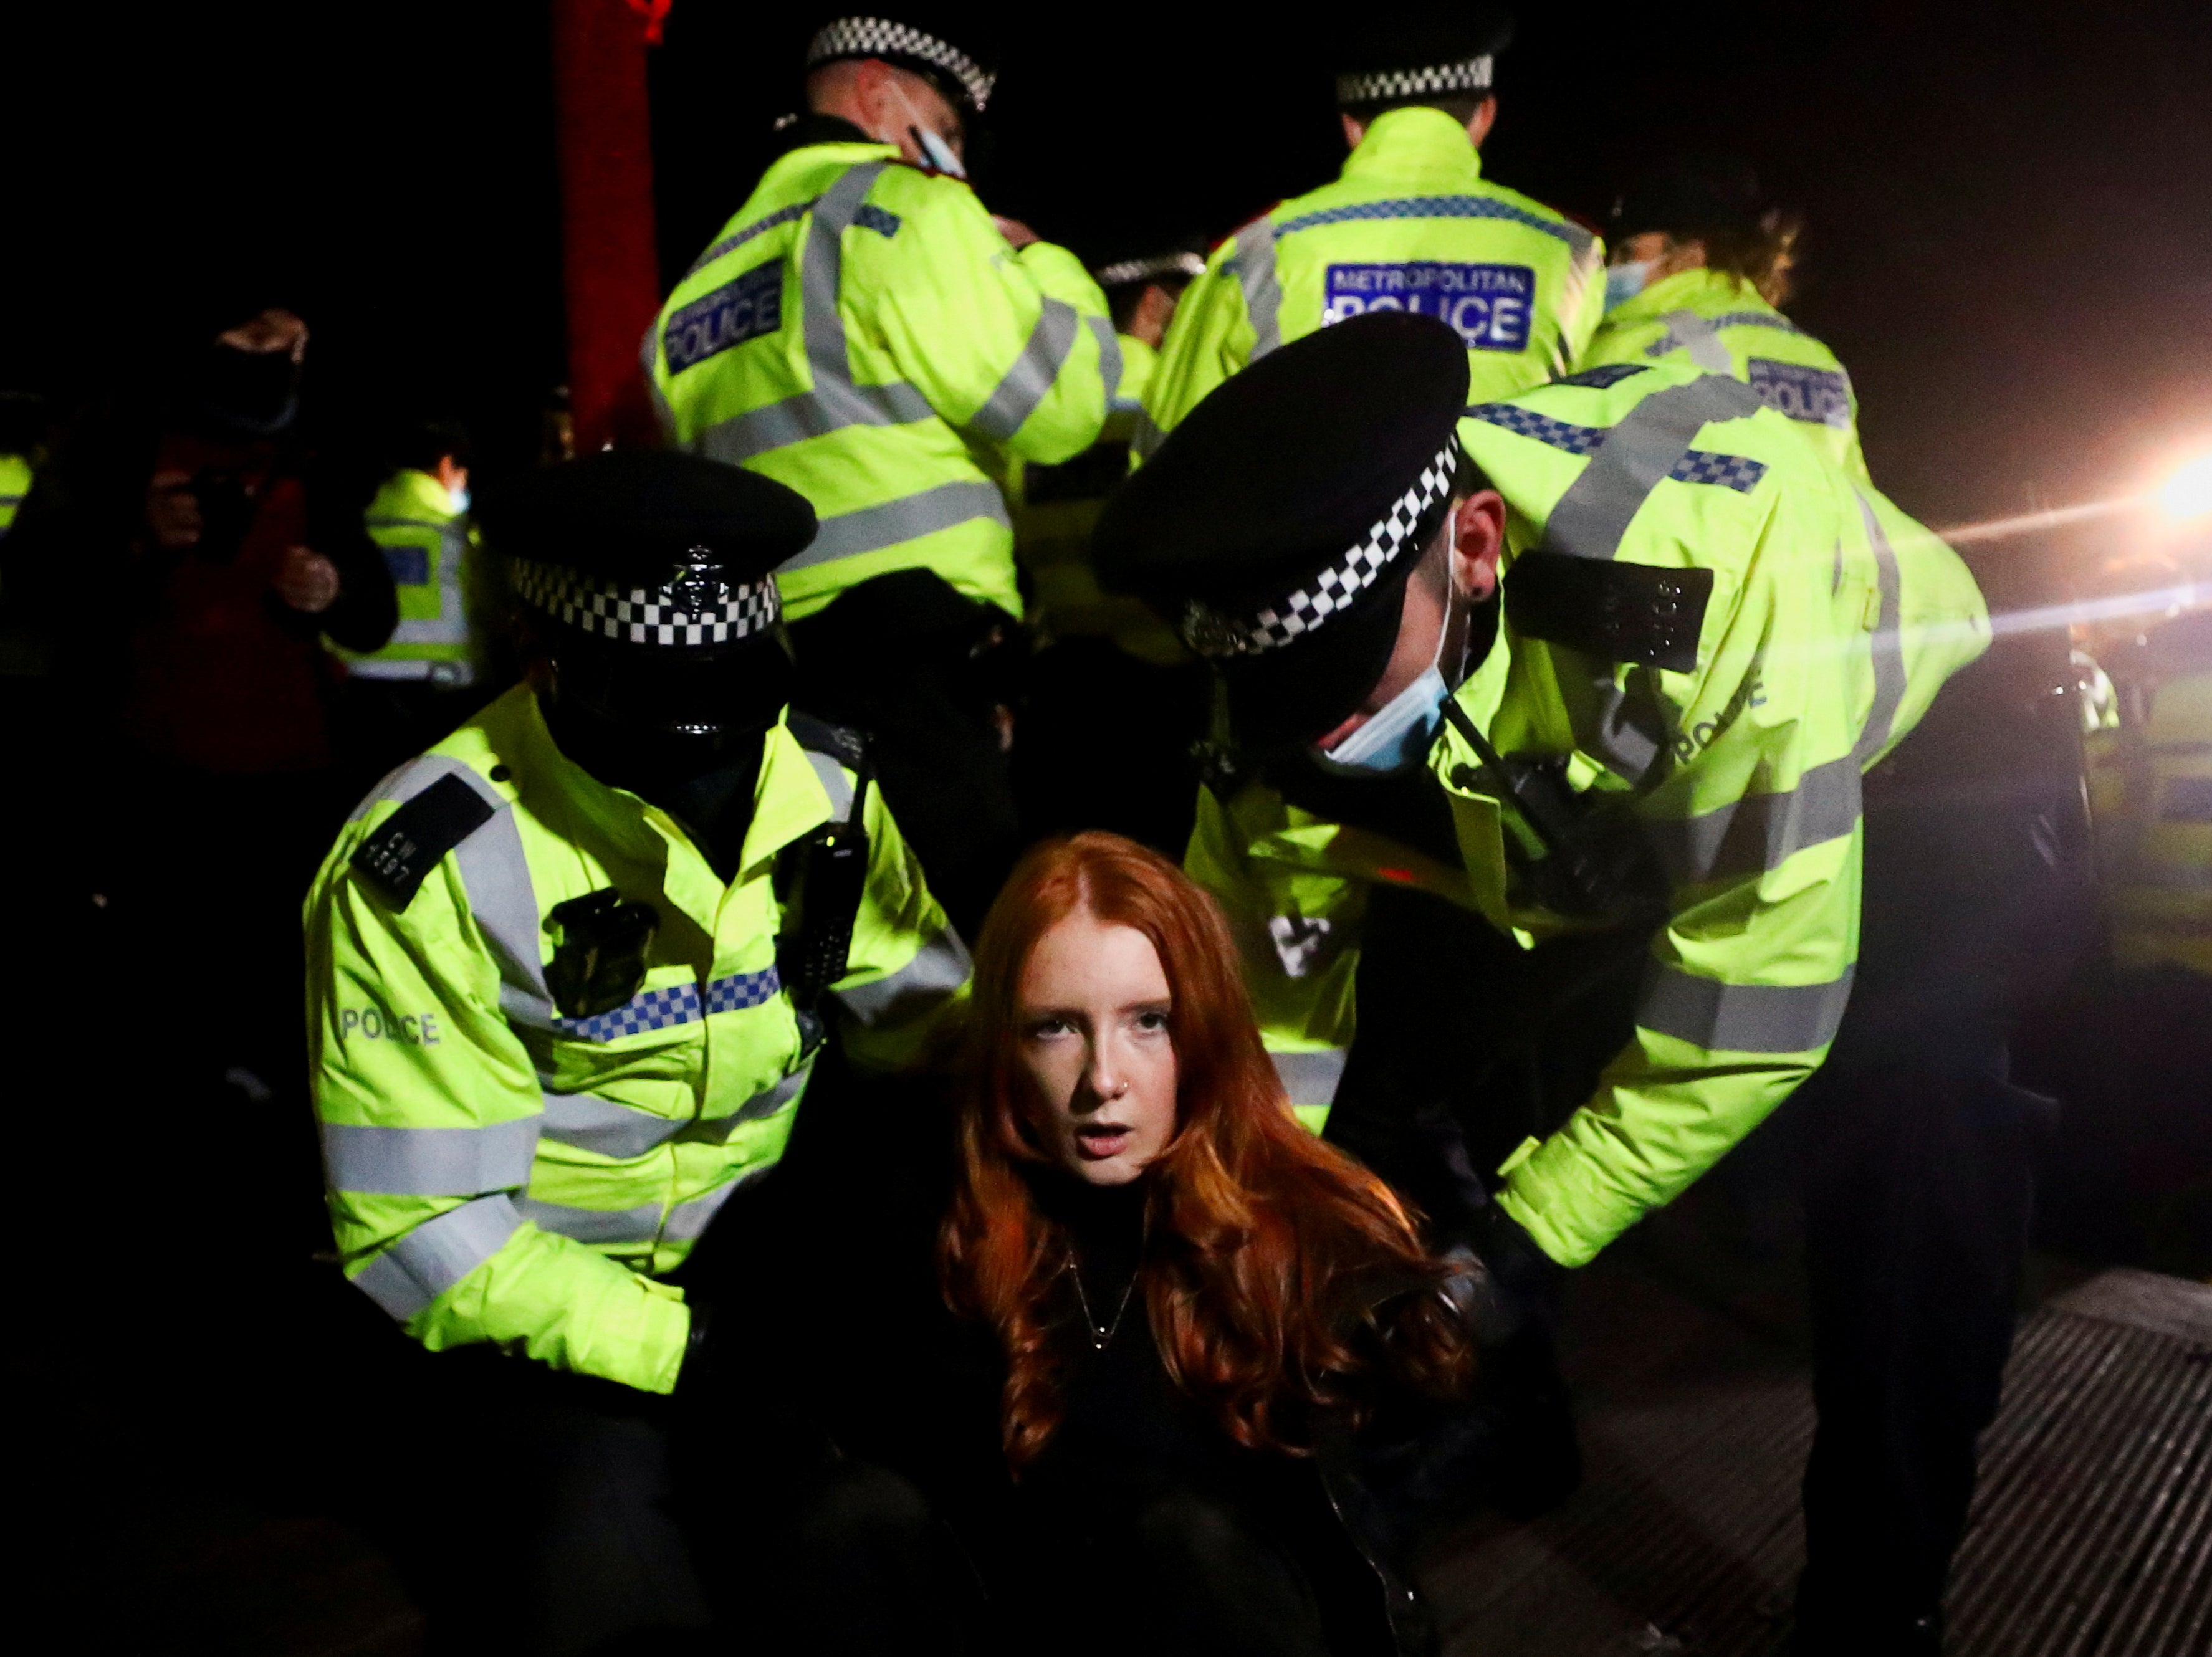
[644, 615]
[1210, 633]
[878, 37]
[1386, 85]
[1167, 265]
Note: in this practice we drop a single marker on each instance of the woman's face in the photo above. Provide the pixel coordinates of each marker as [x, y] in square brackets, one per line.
[1093, 1010]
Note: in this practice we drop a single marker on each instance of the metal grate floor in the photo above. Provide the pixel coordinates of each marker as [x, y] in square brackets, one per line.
[2092, 1533]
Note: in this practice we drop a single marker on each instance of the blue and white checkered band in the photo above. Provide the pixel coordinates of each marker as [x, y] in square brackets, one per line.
[1167, 265]
[694, 606]
[878, 37]
[1384, 86]
[1211, 634]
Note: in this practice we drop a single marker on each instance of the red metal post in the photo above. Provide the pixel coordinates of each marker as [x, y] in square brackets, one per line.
[608, 262]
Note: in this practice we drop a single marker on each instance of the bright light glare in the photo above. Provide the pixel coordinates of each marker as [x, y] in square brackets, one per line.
[2188, 493]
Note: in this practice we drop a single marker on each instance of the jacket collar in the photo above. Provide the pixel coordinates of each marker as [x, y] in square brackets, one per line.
[788, 802]
[1415, 146]
[1686, 290]
[411, 494]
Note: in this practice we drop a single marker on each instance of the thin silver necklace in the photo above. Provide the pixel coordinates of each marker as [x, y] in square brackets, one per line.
[1101, 1334]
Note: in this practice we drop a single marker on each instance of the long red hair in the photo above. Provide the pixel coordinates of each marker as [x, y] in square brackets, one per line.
[1267, 1251]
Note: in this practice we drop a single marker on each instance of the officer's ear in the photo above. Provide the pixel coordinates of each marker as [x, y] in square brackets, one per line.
[1353, 131]
[1481, 543]
[1485, 118]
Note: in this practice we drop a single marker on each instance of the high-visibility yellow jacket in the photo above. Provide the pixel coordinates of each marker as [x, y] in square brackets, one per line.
[2151, 788]
[1056, 507]
[499, 1171]
[1717, 322]
[14, 484]
[862, 332]
[1833, 621]
[1411, 224]
[431, 551]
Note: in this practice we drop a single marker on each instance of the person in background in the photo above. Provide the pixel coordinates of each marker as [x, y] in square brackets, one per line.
[1701, 262]
[236, 553]
[398, 700]
[1412, 225]
[1113, 703]
[864, 333]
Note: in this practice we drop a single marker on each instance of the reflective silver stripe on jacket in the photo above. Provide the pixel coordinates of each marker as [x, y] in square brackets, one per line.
[1889, 645]
[834, 783]
[1310, 1078]
[1743, 1017]
[688, 1221]
[716, 1130]
[1650, 442]
[870, 528]
[1254, 263]
[602, 1126]
[1760, 831]
[808, 414]
[427, 1261]
[1025, 385]
[429, 1161]
[592, 1225]
[939, 967]
[1689, 331]
[1109, 358]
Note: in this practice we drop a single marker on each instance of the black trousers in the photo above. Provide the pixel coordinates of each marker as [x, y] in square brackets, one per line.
[1918, 1186]
[907, 661]
[553, 1515]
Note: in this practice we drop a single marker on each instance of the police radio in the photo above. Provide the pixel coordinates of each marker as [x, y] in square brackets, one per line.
[1597, 863]
[829, 876]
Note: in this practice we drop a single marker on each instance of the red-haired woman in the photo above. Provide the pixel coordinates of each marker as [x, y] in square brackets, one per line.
[1202, 1312]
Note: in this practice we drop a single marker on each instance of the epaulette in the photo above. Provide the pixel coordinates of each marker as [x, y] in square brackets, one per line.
[839, 742]
[1613, 611]
[1605, 374]
[398, 856]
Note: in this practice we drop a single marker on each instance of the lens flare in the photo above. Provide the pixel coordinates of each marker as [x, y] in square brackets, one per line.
[2188, 493]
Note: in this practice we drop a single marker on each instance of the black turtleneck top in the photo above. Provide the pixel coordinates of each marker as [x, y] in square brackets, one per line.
[1128, 1432]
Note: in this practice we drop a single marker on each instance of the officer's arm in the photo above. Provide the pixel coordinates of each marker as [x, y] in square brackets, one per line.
[1017, 349]
[1585, 306]
[1209, 340]
[429, 1109]
[907, 971]
[1758, 830]
[1295, 940]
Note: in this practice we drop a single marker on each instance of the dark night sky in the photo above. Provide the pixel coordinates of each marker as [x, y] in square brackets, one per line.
[2010, 210]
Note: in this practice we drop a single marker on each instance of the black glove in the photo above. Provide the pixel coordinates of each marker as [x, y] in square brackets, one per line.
[1503, 1282]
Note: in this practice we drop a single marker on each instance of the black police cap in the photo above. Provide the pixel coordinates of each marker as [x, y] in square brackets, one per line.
[1689, 196]
[1276, 526]
[648, 546]
[1420, 51]
[955, 47]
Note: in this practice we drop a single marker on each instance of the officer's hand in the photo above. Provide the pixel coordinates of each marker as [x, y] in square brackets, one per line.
[306, 580]
[173, 511]
[1505, 1283]
[1015, 232]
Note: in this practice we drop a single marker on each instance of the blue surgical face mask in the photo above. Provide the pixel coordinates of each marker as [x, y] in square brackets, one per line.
[459, 494]
[1623, 282]
[1398, 735]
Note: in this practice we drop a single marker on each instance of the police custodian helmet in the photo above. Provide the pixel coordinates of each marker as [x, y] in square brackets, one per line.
[1409, 53]
[1276, 526]
[951, 46]
[649, 578]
